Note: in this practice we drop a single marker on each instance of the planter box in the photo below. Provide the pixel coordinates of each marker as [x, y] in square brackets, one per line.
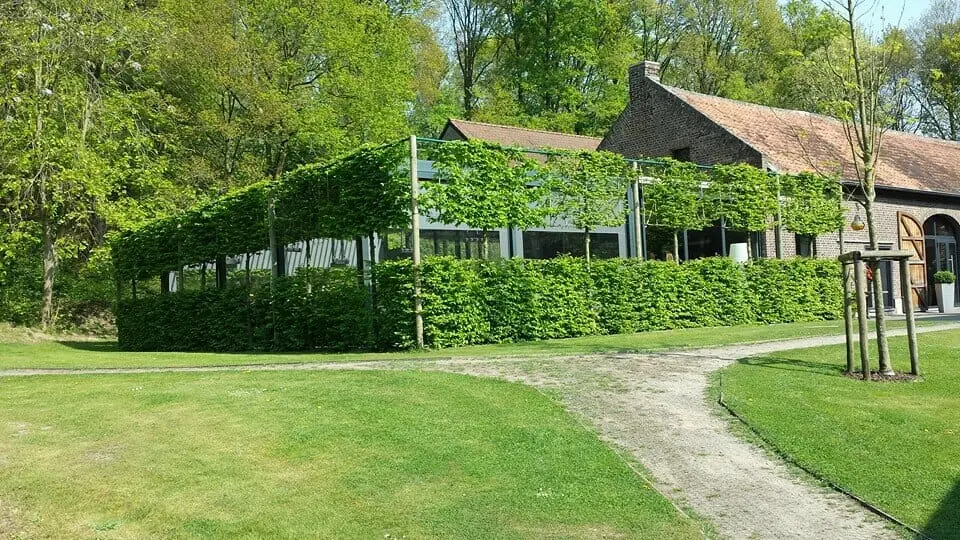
[945, 297]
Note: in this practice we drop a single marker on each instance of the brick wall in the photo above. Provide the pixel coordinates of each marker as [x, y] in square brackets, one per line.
[655, 123]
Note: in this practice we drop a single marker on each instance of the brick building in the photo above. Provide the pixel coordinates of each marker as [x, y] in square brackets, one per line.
[918, 178]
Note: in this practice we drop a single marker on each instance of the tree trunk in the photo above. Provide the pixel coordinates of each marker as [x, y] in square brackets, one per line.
[749, 245]
[485, 247]
[676, 246]
[49, 272]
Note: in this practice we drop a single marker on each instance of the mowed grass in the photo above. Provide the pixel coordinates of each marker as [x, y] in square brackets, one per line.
[310, 455]
[896, 445]
[17, 352]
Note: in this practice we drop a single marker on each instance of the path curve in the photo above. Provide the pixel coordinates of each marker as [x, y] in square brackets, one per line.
[654, 407]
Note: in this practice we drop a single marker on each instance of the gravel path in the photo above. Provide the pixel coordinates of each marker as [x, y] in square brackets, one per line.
[654, 407]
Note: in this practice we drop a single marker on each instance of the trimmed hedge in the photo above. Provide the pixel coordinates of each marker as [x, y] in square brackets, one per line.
[472, 302]
[316, 310]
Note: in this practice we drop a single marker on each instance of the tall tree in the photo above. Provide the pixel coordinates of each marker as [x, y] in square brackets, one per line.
[84, 129]
[861, 70]
[272, 84]
[474, 24]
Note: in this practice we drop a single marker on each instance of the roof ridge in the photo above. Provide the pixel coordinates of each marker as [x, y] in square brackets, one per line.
[460, 120]
[920, 136]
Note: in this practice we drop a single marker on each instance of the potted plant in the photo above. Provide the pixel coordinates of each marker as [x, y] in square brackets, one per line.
[943, 281]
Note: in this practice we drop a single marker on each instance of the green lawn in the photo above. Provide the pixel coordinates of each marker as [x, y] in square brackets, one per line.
[319, 455]
[895, 444]
[16, 352]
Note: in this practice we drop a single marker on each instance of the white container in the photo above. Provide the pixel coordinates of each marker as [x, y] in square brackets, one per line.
[945, 297]
[739, 252]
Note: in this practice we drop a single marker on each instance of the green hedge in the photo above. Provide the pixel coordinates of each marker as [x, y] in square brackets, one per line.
[316, 310]
[471, 302]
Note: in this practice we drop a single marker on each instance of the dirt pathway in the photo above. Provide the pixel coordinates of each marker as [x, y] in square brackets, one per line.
[654, 407]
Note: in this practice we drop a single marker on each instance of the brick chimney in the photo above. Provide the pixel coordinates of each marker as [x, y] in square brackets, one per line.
[640, 73]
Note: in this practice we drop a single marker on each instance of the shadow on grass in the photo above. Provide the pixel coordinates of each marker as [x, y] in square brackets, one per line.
[790, 364]
[91, 346]
[945, 522]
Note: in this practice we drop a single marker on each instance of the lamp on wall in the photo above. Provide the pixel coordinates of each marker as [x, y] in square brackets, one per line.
[857, 223]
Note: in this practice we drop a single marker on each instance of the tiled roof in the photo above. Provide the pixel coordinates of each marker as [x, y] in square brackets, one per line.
[795, 141]
[522, 137]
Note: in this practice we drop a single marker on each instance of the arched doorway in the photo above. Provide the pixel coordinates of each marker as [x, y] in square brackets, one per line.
[940, 235]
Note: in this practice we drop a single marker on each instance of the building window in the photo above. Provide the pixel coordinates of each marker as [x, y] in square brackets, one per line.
[444, 243]
[681, 154]
[547, 245]
[806, 246]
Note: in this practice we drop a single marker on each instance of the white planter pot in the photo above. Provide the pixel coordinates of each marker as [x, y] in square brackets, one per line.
[945, 297]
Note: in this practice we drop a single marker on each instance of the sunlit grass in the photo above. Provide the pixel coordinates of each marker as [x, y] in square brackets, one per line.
[895, 444]
[310, 455]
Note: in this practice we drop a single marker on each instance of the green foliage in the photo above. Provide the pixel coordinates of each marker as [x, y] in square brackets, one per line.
[794, 290]
[520, 300]
[673, 200]
[315, 310]
[813, 206]
[588, 188]
[361, 193]
[944, 276]
[745, 197]
[484, 186]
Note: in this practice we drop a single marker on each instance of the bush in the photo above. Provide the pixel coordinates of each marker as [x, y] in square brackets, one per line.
[471, 302]
[314, 310]
[944, 276]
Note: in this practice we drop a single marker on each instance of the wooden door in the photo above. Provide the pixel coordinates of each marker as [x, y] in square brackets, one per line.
[912, 239]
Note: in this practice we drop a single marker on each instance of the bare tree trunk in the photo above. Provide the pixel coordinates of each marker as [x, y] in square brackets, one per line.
[485, 247]
[49, 271]
[676, 246]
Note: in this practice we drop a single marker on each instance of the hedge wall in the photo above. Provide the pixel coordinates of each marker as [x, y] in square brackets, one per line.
[316, 310]
[471, 302]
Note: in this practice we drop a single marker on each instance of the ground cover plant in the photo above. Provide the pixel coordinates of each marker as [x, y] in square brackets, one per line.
[294, 455]
[897, 445]
[25, 349]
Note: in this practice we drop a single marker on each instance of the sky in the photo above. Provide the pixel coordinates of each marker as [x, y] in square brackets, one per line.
[887, 12]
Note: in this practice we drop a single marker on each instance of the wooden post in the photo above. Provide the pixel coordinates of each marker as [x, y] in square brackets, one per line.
[861, 283]
[637, 232]
[272, 231]
[643, 226]
[848, 314]
[415, 233]
[906, 288]
[778, 232]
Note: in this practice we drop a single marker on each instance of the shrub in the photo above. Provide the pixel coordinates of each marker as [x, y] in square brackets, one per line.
[944, 276]
[471, 302]
[314, 310]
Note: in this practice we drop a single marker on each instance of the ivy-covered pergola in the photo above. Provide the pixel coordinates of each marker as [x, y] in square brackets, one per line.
[475, 184]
